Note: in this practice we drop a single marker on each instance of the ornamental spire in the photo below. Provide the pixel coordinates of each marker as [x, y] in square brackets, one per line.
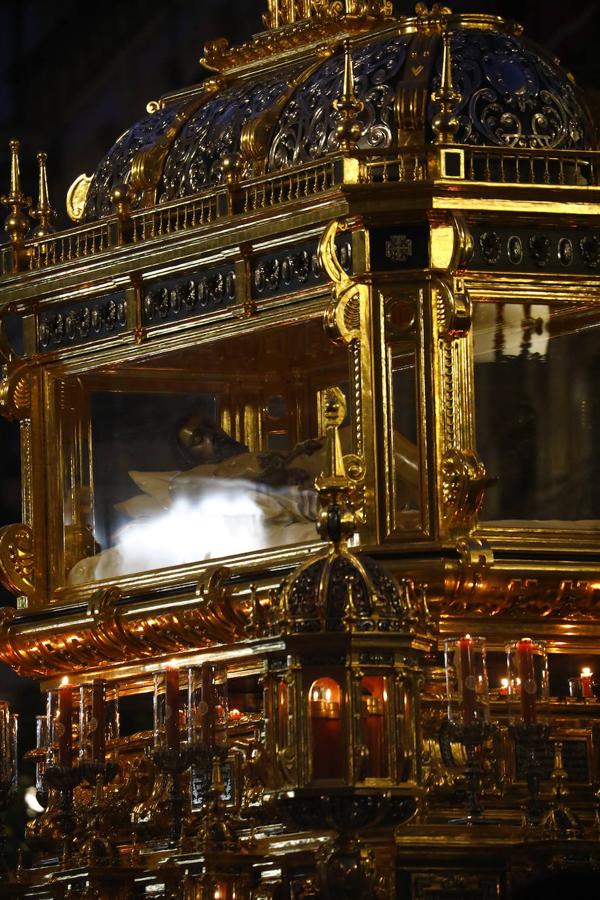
[348, 106]
[337, 520]
[445, 124]
[17, 222]
[44, 212]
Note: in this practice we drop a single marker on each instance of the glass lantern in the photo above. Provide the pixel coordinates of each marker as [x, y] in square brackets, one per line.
[207, 706]
[466, 680]
[527, 673]
[326, 729]
[169, 710]
[93, 710]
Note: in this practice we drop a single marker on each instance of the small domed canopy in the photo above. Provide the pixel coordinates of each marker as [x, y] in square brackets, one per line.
[341, 591]
[511, 94]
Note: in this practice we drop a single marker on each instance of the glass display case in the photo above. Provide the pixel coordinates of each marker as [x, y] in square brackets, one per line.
[205, 452]
[537, 413]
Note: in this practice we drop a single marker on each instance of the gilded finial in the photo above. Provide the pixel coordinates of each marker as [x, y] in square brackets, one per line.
[337, 520]
[17, 222]
[44, 213]
[445, 123]
[348, 106]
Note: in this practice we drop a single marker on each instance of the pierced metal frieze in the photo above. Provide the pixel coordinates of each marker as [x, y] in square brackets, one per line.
[115, 168]
[306, 129]
[82, 322]
[511, 96]
[193, 295]
[295, 268]
[214, 132]
[552, 249]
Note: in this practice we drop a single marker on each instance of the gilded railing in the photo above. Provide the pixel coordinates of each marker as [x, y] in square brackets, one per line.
[289, 186]
[174, 217]
[409, 165]
[404, 166]
[501, 165]
[65, 246]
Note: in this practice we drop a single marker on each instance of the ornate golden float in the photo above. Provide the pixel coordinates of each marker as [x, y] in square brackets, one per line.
[307, 394]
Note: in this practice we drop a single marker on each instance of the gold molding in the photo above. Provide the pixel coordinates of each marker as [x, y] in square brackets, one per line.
[148, 163]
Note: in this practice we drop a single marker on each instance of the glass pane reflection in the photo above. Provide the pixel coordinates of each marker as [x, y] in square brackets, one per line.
[207, 452]
[538, 412]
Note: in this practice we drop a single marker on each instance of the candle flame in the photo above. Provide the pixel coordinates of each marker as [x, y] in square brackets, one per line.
[65, 681]
[504, 682]
[171, 664]
[315, 696]
[328, 695]
[586, 672]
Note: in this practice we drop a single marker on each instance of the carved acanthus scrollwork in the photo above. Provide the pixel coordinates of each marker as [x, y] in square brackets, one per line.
[148, 163]
[463, 481]
[256, 132]
[343, 315]
[286, 12]
[15, 394]
[108, 634]
[218, 618]
[17, 558]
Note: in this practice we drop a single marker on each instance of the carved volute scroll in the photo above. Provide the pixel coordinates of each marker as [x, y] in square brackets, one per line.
[15, 394]
[463, 481]
[454, 304]
[343, 315]
[148, 163]
[17, 559]
[257, 131]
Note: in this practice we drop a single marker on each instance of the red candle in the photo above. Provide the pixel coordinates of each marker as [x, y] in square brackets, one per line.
[172, 708]
[528, 682]
[208, 711]
[98, 723]
[586, 682]
[327, 738]
[467, 679]
[65, 724]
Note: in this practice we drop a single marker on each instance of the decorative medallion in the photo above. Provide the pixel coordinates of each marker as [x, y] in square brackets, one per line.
[565, 251]
[539, 247]
[590, 251]
[398, 248]
[490, 246]
[514, 249]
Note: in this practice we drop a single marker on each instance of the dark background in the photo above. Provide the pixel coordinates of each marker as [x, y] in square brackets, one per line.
[74, 76]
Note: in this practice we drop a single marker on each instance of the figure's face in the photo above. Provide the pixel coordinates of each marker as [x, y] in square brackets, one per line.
[197, 440]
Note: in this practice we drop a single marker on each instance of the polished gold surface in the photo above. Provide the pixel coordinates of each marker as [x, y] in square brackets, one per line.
[408, 334]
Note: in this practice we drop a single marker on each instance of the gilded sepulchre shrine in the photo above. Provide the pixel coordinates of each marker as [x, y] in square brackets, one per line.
[309, 417]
